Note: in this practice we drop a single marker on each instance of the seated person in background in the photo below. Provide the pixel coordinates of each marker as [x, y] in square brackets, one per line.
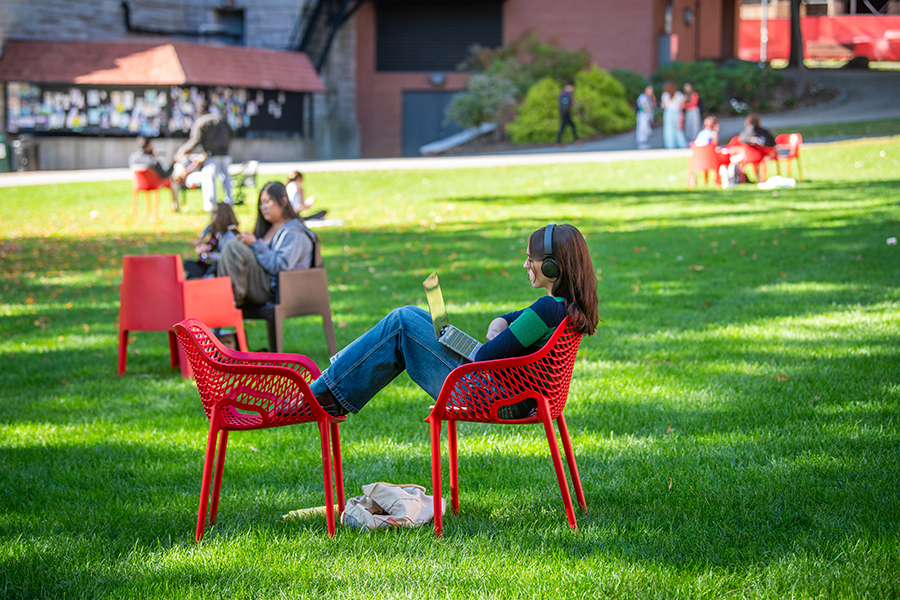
[210, 242]
[709, 135]
[186, 172]
[147, 158]
[279, 242]
[299, 202]
[754, 134]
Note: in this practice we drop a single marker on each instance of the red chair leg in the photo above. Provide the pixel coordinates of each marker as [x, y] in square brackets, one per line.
[207, 477]
[338, 467]
[178, 357]
[173, 349]
[436, 474]
[217, 482]
[325, 439]
[123, 350]
[454, 466]
[557, 462]
[570, 459]
[241, 335]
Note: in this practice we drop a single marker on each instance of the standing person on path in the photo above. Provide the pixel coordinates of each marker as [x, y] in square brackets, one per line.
[213, 134]
[692, 117]
[646, 103]
[566, 102]
[672, 102]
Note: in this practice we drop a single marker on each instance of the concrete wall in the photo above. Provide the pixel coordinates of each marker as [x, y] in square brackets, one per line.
[268, 24]
[68, 153]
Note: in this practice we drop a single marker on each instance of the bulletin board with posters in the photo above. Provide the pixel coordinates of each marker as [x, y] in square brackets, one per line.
[150, 111]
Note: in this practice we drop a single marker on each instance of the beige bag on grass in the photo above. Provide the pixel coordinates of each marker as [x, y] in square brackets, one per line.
[390, 505]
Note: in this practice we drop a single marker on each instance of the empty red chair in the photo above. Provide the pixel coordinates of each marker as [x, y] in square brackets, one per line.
[147, 181]
[154, 296]
[705, 159]
[474, 391]
[787, 147]
[241, 391]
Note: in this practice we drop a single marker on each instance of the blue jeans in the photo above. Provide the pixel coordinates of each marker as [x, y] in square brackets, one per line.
[404, 339]
[215, 167]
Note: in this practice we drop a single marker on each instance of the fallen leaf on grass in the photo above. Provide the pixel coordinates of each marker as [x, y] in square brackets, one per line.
[669, 430]
[782, 377]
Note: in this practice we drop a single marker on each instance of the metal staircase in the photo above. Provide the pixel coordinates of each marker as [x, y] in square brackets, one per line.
[319, 22]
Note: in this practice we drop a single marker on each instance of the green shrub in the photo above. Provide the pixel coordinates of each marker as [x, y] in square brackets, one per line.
[601, 104]
[527, 60]
[538, 119]
[600, 108]
[705, 76]
[633, 82]
[487, 99]
[736, 80]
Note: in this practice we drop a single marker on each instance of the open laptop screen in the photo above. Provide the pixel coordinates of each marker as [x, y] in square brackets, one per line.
[436, 303]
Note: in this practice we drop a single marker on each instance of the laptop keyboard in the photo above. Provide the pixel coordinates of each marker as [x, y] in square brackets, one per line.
[459, 341]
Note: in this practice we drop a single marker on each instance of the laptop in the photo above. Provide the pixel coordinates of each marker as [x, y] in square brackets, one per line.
[460, 342]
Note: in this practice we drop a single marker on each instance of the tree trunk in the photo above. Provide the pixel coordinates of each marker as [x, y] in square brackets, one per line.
[796, 58]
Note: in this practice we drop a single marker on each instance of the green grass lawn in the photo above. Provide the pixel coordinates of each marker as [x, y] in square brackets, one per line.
[736, 419]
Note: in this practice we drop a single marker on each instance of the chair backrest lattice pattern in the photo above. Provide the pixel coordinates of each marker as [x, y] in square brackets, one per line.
[249, 393]
[475, 391]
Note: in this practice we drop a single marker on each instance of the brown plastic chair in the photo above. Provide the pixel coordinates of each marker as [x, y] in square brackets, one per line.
[300, 293]
[241, 391]
[155, 295]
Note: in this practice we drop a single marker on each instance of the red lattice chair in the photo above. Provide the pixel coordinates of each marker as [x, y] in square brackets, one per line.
[145, 180]
[475, 391]
[154, 295]
[705, 159]
[241, 391]
[787, 146]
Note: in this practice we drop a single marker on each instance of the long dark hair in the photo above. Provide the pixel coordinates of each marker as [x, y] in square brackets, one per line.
[577, 282]
[224, 218]
[278, 194]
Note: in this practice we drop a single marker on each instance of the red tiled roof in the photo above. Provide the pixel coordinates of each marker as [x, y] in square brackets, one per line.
[156, 62]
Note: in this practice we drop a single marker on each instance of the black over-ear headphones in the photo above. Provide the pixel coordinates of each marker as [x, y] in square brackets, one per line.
[549, 267]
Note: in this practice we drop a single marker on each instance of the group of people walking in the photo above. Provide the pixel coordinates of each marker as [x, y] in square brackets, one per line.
[681, 115]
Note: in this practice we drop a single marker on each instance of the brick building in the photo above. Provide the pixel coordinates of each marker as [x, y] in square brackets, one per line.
[388, 66]
[407, 50]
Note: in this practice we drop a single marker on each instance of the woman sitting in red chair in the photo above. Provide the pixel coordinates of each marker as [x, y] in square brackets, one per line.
[557, 261]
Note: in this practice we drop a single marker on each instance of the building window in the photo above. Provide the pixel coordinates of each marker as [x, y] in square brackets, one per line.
[435, 35]
[231, 22]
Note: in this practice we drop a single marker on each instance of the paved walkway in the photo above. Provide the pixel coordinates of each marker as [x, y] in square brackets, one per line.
[865, 95]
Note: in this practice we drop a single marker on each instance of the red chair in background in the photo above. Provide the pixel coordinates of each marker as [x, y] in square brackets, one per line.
[787, 147]
[705, 159]
[473, 392]
[147, 181]
[154, 296]
[749, 155]
[241, 391]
